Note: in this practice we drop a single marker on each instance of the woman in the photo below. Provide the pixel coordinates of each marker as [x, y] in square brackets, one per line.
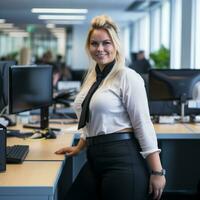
[116, 127]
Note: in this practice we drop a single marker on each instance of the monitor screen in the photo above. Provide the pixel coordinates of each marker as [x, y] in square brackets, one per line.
[30, 88]
[4, 66]
[159, 108]
[172, 84]
[1, 94]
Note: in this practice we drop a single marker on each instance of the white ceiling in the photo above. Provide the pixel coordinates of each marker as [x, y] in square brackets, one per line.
[19, 11]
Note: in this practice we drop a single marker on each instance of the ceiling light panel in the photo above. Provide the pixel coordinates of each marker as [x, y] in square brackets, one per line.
[62, 17]
[59, 10]
[63, 22]
[7, 25]
[19, 34]
[50, 25]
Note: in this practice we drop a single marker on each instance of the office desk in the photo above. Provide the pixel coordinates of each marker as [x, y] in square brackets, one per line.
[43, 149]
[30, 180]
[170, 128]
[177, 131]
[194, 127]
[43, 175]
[179, 155]
[180, 145]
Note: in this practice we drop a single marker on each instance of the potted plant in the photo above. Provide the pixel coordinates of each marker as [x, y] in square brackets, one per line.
[161, 58]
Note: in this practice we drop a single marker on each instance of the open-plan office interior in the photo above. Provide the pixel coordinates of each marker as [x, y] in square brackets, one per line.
[160, 42]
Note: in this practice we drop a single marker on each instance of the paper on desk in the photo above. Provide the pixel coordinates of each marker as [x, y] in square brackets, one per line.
[194, 104]
[3, 121]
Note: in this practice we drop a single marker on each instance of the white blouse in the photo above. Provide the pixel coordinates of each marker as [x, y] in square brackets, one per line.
[122, 104]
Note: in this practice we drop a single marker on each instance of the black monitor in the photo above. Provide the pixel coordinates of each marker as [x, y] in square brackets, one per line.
[1, 94]
[172, 84]
[141, 66]
[4, 66]
[30, 87]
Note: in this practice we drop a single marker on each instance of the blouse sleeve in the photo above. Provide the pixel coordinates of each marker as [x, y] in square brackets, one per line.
[135, 100]
[83, 133]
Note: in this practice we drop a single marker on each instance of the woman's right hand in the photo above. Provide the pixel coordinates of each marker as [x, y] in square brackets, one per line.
[70, 151]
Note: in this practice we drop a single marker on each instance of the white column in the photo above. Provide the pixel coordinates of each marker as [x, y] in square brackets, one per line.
[186, 34]
[176, 27]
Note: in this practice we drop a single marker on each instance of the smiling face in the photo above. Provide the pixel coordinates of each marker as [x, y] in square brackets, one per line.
[101, 47]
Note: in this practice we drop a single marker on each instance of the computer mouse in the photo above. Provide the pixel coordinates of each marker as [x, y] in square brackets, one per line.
[50, 135]
[36, 135]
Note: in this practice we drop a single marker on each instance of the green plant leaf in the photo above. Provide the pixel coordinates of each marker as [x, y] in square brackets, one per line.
[161, 58]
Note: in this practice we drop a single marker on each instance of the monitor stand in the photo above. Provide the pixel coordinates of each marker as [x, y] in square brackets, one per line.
[44, 121]
[44, 118]
[184, 119]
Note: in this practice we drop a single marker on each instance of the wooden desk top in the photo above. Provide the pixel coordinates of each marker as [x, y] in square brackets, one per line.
[37, 176]
[194, 127]
[44, 149]
[41, 174]
[177, 131]
[171, 128]
[41, 149]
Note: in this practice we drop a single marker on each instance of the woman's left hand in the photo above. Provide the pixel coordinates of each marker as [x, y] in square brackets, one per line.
[156, 186]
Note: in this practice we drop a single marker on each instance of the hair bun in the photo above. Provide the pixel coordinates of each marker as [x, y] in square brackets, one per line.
[104, 21]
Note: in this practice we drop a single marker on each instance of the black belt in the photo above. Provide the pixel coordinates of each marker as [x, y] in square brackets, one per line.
[109, 138]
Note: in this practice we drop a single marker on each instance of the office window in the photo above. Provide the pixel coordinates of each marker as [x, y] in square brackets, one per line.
[3, 45]
[175, 50]
[126, 41]
[69, 46]
[144, 33]
[14, 44]
[165, 23]
[155, 29]
[9, 45]
[135, 37]
[195, 50]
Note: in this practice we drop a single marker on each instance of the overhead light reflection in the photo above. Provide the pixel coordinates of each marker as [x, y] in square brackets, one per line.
[63, 22]
[7, 25]
[50, 25]
[19, 34]
[59, 10]
[62, 17]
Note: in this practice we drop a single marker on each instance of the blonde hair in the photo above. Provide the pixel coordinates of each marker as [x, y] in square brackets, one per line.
[104, 22]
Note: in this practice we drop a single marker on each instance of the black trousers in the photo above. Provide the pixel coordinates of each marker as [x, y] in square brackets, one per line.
[114, 171]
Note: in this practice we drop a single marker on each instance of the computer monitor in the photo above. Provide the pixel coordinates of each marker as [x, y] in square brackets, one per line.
[1, 93]
[4, 66]
[172, 84]
[30, 87]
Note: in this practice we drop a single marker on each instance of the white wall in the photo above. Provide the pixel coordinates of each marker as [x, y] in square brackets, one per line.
[79, 55]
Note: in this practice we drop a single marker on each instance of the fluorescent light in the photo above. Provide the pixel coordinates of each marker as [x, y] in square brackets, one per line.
[8, 25]
[2, 21]
[58, 10]
[19, 34]
[62, 17]
[12, 30]
[63, 22]
[50, 25]
[58, 30]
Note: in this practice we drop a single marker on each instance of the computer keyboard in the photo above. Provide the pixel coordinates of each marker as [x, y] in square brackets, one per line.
[17, 133]
[16, 154]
